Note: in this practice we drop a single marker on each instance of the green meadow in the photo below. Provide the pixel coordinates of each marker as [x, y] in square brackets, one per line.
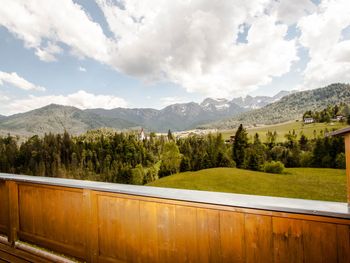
[283, 128]
[305, 183]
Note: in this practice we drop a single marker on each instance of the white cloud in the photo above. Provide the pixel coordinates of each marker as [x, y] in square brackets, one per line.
[36, 22]
[321, 33]
[192, 43]
[290, 11]
[4, 98]
[80, 99]
[48, 53]
[18, 82]
[82, 69]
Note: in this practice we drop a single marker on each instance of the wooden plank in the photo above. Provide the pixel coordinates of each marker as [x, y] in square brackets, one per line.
[347, 159]
[258, 238]
[149, 233]
[57, 247]
[343, 243]
[13, 211]
[53, 218]
[320, 242]
[315, 218]
[232, 236]
[11, 258]
[208, 235]
[185, 238]
[21, 254]
[4, 215]
[288, 240]
[111, 233]
[166, 232]
[132, 229]
[91, 232]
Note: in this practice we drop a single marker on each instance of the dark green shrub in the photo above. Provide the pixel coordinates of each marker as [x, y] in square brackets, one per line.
[340, 161]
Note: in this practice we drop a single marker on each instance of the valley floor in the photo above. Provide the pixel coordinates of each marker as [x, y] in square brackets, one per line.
[284, 128]
[305, 183]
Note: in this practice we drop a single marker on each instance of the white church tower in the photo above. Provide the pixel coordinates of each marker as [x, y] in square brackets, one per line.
[142, 135]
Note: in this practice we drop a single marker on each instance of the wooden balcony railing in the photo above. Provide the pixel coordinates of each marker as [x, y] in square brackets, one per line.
[102, 222]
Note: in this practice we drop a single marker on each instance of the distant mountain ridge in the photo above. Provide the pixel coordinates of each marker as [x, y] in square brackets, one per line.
[182, 116]
[258, 102]
[290, 107]
[56, 119]
[179, 116]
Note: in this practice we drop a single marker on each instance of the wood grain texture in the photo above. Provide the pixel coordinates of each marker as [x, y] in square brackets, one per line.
[320, 242]
[258, 239]
[347, 159]
[52, 217]
[13, 210]
[343, 243]
[208, 236]
[287, 240]
[110, 227]
[166, 232]
[186, 232]
[232, 236]
[4, 213]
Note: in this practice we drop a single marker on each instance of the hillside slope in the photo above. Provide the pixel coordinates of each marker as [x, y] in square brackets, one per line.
[176, 117]
[290, 107]
[56, 119]
[322, 184]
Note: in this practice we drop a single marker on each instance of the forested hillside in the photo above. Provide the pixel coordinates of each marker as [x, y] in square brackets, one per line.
[124, 158]
[57, 119]
[291, 107]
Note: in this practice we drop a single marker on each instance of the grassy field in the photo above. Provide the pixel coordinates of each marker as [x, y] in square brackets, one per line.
[305, 183]
[283, 128]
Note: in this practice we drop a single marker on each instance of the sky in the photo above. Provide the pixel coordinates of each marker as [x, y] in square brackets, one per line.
[133, 53]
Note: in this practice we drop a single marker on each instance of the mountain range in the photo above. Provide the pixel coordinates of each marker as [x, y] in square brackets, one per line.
[290, 107]
[211, 113]
[57, 118]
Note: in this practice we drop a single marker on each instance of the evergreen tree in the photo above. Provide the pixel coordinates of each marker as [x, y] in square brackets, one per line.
[170, 136]
[239, 146]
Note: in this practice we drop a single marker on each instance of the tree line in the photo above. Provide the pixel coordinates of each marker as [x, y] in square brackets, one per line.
[124, 158]
[321, 151]
[329, 113]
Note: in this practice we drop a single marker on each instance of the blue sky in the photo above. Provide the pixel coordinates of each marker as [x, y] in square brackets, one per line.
[116, 53]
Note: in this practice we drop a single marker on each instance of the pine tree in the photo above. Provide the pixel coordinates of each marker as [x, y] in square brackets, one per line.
[239, 146]
[170, 136]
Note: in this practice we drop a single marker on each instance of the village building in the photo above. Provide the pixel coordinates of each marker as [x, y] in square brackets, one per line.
[340, 117]
[309, 120]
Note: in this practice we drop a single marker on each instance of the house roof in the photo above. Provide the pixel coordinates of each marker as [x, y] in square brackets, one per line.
[339, 132]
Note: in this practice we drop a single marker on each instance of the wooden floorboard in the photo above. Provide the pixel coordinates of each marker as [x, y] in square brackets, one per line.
[10, 254]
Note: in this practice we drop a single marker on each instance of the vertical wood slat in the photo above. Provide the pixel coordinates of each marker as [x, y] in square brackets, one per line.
[13, 221]
[132, 229]
[166, 232]
[232, 236]
[343, 243]
[258, 238]
[149, 232]
[320, 242]
[4, 214]
[287, 240]
[91, 232]
[186, 232]
[347, 158]
[208, 235]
